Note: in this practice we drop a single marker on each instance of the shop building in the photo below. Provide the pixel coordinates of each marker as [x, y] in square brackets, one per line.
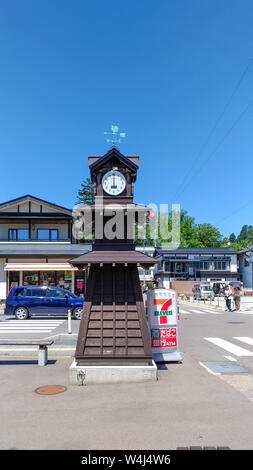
[246, 267]
[36, 243]
[146, 274]
[180, 268]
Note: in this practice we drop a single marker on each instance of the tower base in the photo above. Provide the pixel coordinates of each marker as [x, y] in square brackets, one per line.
[92, 374]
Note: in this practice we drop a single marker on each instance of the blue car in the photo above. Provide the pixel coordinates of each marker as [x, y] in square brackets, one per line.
[29, 301]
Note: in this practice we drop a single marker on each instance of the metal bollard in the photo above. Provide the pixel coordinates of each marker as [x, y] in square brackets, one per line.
[69, 322]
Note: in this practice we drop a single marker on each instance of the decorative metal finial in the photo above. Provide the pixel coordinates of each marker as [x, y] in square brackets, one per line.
[116, 136]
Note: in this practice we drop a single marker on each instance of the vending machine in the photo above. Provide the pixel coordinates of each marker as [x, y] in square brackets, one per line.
[163, 324]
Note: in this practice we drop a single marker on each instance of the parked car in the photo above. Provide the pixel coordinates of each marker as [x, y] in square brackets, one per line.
[29, 301]
[202, 292]
[219, 287]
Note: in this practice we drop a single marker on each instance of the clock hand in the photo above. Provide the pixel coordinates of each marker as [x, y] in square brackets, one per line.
[113, 182]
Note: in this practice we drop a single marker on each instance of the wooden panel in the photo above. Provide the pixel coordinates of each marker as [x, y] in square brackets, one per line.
[113, 328]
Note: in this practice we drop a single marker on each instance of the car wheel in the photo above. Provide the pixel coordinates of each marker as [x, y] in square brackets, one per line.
[77, 313]
[21, 313]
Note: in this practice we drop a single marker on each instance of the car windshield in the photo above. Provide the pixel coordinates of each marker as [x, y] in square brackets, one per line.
[208, 288]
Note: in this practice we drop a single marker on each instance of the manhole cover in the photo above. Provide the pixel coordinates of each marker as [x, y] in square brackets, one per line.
[51, 389]
[226, 367]
[236, 322]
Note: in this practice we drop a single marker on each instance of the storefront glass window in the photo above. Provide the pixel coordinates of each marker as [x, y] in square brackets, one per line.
[47, 278]
[64, 279]
[80, 283]
[13, 279]
[61, 279]
[30, 278]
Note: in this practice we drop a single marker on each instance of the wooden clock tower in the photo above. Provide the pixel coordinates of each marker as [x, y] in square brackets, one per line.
[113, 328]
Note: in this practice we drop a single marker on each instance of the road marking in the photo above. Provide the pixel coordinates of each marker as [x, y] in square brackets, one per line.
[36, 349]
[198, 311]
[213, 312]
[230, 347]
[28, 327]
[245, 339]
[209, 370]
[26, 322]
[24, 331]
[184, 311]
[230, 358]
[13, 358]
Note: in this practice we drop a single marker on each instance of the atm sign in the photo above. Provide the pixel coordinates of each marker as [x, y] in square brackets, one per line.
[167, 338]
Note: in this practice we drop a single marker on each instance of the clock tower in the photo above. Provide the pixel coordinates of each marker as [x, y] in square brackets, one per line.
[113, 328]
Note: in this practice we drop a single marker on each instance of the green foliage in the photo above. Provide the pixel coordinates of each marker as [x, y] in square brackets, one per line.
[201, 235]
[232, 238]
[206, 235]
[195, 235]
[86, 192]
[191, 234]
[244, 239]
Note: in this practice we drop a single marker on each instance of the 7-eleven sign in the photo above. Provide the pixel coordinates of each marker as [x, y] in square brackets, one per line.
[163, 309]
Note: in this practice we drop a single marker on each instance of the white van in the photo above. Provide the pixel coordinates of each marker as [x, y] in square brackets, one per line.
[203, 292]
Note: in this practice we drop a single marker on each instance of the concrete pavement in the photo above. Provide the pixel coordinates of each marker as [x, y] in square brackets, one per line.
[188, 406]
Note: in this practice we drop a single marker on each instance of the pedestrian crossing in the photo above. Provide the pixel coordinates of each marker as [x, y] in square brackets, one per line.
[203, 311]
[29, 326]
[233, 348]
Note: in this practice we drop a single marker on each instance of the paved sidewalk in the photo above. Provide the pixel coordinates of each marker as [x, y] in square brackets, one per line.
[187, 406]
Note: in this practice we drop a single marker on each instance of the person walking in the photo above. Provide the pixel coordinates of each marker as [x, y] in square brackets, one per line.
[237, 298]
[228, 296]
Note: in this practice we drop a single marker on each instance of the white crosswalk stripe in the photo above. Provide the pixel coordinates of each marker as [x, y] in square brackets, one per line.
[199, 311]
[230, 347]
[245, 339]
[29, 326]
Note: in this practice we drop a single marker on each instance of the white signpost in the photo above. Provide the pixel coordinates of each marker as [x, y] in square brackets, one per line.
[163, 324]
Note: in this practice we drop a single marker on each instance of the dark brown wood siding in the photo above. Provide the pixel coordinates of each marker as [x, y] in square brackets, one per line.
[113, 326]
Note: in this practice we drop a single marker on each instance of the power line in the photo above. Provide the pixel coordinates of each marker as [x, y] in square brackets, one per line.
[220, 143]
[235, 211]
[213, 129]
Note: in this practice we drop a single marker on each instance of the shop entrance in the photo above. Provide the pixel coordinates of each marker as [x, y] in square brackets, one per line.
[61, 279]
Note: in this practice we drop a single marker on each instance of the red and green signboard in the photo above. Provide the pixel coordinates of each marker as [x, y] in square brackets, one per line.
[164, 338]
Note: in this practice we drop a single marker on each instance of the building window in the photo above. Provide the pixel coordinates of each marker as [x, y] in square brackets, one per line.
[47, 234]
[61, 279]
[79, 283]
[18, 234]
[30, 278]
[220, 265]
[13, 279]
[203, 265]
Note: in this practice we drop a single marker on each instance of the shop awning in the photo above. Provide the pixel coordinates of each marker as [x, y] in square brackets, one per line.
[38, 267]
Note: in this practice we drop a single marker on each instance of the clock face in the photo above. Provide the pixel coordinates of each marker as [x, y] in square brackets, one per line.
[113, 182]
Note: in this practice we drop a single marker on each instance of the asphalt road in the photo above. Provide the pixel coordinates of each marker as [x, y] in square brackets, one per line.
[210, 334]
[191, 404]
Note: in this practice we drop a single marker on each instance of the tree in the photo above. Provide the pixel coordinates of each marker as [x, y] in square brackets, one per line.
[187, 230]
[232, 238]
[250, 235]
[86, 192]
[243, 233]
[206, 235]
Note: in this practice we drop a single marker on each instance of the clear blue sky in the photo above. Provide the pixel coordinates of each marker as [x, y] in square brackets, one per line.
[162, 70]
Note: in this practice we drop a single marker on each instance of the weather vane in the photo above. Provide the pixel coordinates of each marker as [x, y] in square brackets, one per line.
[116, 136]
